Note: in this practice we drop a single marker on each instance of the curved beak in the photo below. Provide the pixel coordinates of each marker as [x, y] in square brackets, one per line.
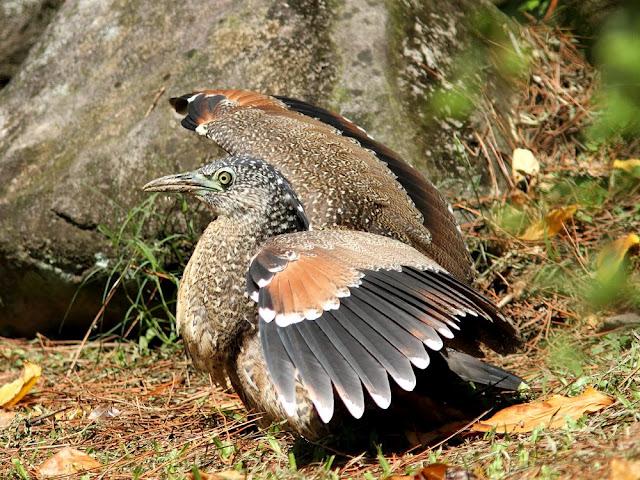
[191, 182]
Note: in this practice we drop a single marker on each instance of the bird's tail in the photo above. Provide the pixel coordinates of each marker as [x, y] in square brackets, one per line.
[474, 370]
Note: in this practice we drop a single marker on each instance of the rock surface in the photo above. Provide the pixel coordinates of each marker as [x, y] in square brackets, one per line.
[23, 21]
[85, 121]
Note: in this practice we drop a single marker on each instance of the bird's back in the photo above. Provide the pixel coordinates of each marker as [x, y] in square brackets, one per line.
[343, 177]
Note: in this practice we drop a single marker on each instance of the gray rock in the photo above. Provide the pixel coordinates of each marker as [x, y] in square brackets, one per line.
[23, 21]
[84, 122]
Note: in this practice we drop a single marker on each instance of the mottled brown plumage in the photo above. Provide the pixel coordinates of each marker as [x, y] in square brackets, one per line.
[339, 310]
[344, 178]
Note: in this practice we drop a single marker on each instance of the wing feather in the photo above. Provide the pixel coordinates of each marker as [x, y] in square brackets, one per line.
[378, 346]
[312, 373]
[353, 308]
[280, 366]
[372, 374]
[343, 376]
[364, 304]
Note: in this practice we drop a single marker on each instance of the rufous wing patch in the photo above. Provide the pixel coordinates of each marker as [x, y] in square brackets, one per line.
[310, 283]
[202, 107]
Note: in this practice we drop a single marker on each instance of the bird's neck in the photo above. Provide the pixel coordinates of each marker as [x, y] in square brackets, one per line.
[214, 311]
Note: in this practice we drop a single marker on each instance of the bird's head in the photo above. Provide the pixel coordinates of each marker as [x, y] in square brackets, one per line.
[239, 187]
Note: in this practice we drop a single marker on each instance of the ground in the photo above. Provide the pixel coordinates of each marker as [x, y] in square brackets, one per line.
[143, 412]
[165, 418]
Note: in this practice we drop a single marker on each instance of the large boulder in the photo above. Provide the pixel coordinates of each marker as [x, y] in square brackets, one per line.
[23, 21]
[84, 122]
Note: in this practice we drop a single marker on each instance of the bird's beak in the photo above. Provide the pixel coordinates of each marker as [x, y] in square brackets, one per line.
[192, 182]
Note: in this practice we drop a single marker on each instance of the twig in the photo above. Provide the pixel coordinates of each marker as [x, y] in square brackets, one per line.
[552, 8]
[112, 291]
[155, 101]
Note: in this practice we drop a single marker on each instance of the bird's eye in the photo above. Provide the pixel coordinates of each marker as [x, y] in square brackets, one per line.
[225, 176]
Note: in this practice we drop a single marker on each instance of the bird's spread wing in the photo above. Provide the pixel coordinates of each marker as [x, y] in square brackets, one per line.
[351, 309]
[436, 212]
[202, 108]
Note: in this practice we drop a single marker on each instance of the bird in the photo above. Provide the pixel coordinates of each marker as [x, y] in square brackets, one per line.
[345, 178]
[313, 327]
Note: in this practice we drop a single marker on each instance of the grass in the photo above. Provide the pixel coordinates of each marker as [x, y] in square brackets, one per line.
[171, 422]
[148, 270]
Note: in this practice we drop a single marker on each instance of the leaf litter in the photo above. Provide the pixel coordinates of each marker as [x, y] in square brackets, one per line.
[12, 393]
[550, 413]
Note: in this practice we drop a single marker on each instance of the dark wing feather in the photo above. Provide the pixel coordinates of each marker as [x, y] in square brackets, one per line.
[475, 370]
[342, 374]
[407, 314]
[313, 375]
[373, 375]
[379, 347]
[279, 365]
[378, 314]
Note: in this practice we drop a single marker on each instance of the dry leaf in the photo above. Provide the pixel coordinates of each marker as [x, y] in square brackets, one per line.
[524, 164]
[622, 469]
[631, 166]
[225, 475]
[438, 471]
[6, 418]
[67, 462]
[612, 255]
[549, 226]
[103, 412]
[623, 320]
[13, 392]
[550, 413]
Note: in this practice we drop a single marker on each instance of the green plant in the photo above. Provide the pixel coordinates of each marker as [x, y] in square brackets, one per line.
[147, 268]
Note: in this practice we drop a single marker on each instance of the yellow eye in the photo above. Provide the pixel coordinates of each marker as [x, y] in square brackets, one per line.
[225, 176]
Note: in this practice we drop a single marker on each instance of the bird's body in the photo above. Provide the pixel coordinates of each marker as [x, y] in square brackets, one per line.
[289, 315]
[370, 189]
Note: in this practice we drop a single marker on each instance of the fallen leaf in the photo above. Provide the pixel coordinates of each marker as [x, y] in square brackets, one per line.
[550, 225]
[623, 469]
[524, 164]
[70, 413]
[550, 413]
[224, 475]
[102, 412]
[631, 166]
[438, 471]
[611, 257]
[6, 418]
[629, 319]
[13, 392]
[67, 462]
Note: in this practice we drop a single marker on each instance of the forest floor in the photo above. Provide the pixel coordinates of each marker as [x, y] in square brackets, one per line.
[546, 253]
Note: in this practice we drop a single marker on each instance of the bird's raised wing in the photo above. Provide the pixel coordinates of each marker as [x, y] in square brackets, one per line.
[201, 109]
[347, 309]
[436, 212]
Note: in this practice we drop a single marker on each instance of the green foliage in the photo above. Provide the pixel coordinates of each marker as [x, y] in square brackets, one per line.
[618, 55]
[510, 218]
[588, 192]
[565, 355]
[522, 9]
[147, 269]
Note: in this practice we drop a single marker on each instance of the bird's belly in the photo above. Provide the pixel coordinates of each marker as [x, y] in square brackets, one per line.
[211, 316]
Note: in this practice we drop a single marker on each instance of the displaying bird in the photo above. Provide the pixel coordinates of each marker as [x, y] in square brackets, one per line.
[344, 178]
[293, 317]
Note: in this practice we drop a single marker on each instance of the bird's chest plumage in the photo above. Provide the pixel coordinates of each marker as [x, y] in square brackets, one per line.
[213, 309]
